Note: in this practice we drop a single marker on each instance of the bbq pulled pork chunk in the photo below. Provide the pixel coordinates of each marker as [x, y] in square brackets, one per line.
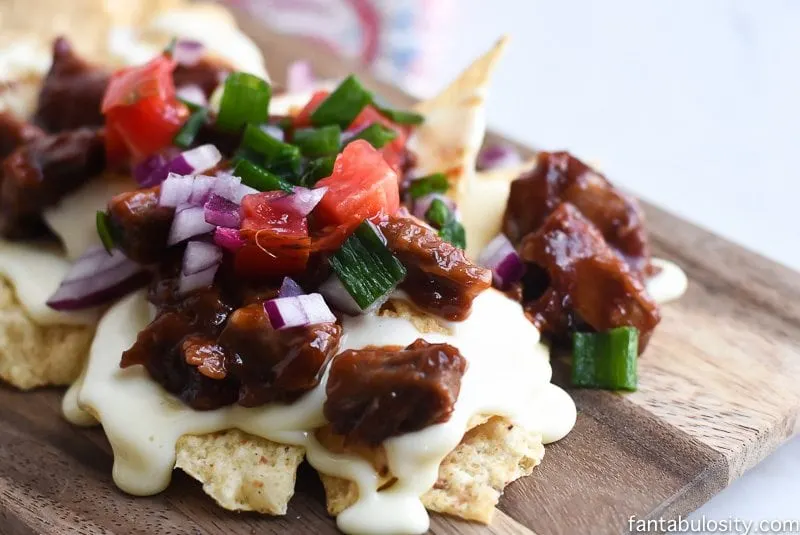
[587, 281]
[211, 349]
[72, 92]
[560, 177]
[379, 392]
[139, 225]
[41, 171]
[15, 132]
[440, 280]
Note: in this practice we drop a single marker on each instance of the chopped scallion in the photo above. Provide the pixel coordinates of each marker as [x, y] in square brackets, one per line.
[316, 170]
[185, 136]
[245, 99]
[259, 178]
[169, 50]
[400, 116]
[279, 157]
[605, 360]
[317, 142]
[435, 183]
[366, 267]
[450, 230]
[343, 105]
[376, 135]
[104, 231]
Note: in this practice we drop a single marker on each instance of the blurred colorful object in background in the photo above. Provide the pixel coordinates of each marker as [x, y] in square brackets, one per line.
[402, 41]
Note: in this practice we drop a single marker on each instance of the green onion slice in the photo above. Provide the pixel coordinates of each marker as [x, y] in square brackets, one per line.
[343, 105]
[376, 135]
[316, 170]
[453, 232]
[435, 183]
[438, 214]
[366, 267]
[169, 50]
[400, 116]
[605, 360]
[450, 230]
[316, 142]
[245, 99]
[104, 230]
[185, 136]
[259, 178]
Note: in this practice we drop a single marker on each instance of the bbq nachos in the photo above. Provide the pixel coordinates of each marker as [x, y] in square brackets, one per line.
[305, 294]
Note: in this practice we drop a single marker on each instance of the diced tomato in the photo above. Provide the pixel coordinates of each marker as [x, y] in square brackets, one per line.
[362, 186]
[277, 242]
[394, 152]
[303, 119]
[116, 149]
[141, 108]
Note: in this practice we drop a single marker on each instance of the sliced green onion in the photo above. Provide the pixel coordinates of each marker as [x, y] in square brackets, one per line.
[435, 183]
[316, 142]
[104, 231]
[277, 156]
[170, 48]
[287, 163]
[343, 105]
[605, 360]
[376, 135]
[193, 106]
[316, 170]
[400, 116]
[366, 268]
[454, 232]
[450, 230]
[259, 178]
[245, 99]
[185, 136]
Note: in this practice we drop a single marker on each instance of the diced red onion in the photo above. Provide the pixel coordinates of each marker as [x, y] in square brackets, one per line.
[289, 288]
[178, 189]
[196, 160]
[175, 190]
[501, 257]
[338, 296]
[97, 278]
[273, 131]
[297, 311]
[187, 224]
[192, 93]
[201, 189]
[422, 205]
[199, 256]
[150, 171]
[222, 212]
[302, 201]
[228, 238]
[299, 77]
[188, 52]
[201, 279]
[497, 156]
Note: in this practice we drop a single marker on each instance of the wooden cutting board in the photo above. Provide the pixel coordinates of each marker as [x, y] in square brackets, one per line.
[717, 394]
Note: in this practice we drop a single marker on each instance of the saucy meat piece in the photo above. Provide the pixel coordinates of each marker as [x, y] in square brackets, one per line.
[15, 132]
[560, 177]
[586, 278]
[275, 365]
[39, 173]
[379, 392]
[207, 73]
[139, 225]
[72, 92]
[440, 280]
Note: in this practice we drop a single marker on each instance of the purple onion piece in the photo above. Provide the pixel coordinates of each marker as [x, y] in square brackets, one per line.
[228, 238]
[222, 212]
[289, 288]
[150, 171]
[201, 279]
[188, 52]
[497, 156]
[501, 257]
[187, 224]
[200, 256]
[298, 311]
[192, 93]
[299, 77]
[302, 201]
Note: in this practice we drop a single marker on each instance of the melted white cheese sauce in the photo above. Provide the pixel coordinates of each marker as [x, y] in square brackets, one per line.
[508, 374]
[669, 284]
[73, 218]
[35, 270]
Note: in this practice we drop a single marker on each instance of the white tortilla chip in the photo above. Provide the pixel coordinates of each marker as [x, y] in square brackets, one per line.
[241, 472]
[471, 478]
[455, 122]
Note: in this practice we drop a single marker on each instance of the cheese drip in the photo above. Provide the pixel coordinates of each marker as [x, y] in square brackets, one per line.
[668, 284]
[508, 374]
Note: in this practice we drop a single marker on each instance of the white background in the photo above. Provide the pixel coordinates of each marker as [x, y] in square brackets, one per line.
[692, 104]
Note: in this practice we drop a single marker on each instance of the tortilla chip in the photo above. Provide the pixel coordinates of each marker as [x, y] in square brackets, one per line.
[241, 472]
[422, 322]
[455, 122]
[471, 478]
[34, 355]
[483, 203]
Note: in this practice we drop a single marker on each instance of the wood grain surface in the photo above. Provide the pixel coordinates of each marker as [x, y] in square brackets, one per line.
[717, 394]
